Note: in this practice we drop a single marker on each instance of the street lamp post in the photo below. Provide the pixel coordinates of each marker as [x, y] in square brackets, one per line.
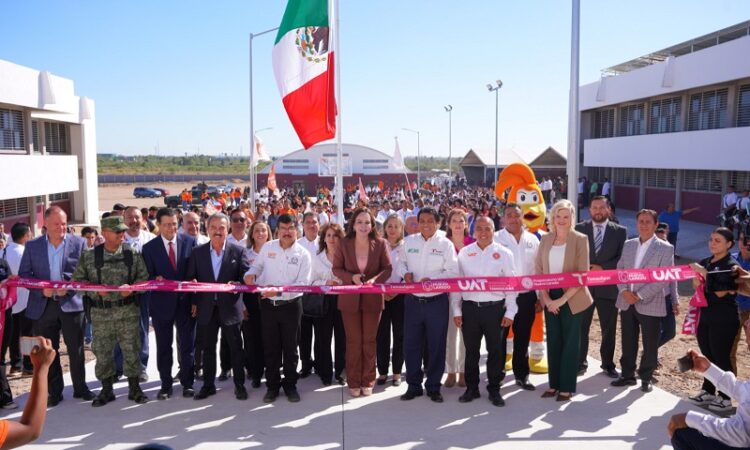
[496, 90]
[419, 156]
[252, 130]
[449, 110]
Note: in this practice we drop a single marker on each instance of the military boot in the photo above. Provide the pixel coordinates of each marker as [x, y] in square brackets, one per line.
[134, 391]
[106, 395]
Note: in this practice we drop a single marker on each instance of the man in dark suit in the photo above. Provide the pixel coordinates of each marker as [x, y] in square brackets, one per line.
[166, 259]
[218, 262]
[606, 240]
[54, 257]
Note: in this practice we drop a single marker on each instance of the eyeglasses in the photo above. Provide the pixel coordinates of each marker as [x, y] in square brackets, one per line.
[238, 220]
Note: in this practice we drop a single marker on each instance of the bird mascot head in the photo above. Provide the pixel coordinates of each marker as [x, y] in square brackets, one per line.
[517, 184]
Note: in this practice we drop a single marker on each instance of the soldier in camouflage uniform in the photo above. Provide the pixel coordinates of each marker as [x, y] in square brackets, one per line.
[114, 315]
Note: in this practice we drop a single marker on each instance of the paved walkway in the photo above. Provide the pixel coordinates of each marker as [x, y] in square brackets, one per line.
[598, 417]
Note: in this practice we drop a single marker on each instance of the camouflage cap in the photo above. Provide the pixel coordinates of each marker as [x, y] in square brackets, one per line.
[114, 223]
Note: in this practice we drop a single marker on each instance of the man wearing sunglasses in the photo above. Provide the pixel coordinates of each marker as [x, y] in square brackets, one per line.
[239, 227]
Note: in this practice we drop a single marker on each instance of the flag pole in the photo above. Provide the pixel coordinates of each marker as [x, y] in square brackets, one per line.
[573, 113]
[339, 156]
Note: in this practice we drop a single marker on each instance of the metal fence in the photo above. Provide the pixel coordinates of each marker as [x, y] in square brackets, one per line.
[163, 178]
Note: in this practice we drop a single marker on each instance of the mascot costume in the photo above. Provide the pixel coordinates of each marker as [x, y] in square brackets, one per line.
[517, 184]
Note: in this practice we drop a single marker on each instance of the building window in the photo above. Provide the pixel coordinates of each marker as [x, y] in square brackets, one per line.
[35, 136]
[604, 123]
[743, 106]
[56, 137]
[740, 180]
[708, 110]
[661, 178]
[632, 120]
[666, 115]
[13, 207]
[627, 177]
[11, 130]
[702, 180]
[59, 196]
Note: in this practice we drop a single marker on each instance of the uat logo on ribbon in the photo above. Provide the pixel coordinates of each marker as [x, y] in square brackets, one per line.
[472, 285]
[435, 286]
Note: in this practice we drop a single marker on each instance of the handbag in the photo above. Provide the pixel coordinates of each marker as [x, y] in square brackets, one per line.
[315, 305]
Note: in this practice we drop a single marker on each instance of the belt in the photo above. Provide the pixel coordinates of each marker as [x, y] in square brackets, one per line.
[281, 302]
[53, 299]
[426, 299]
[486, 304]
[111, 303]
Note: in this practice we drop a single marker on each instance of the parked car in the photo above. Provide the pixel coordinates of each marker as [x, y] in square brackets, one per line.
[144, 192]
[174, 201]
[164, 192]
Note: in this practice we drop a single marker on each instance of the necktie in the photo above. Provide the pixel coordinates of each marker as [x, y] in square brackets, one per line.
[172, 258]
[598, 238]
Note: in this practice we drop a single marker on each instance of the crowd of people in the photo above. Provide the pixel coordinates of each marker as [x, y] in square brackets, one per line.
[388, 235]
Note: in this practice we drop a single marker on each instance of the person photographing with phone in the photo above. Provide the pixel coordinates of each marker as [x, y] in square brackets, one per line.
[29, 428]
[695, 430]
[719, 320]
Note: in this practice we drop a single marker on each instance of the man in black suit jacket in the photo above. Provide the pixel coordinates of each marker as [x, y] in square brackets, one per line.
[218, 262]
[166, 258]
[606, 240]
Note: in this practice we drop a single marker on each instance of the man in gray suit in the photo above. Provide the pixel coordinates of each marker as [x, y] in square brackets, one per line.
[642, 305]
[606, 240]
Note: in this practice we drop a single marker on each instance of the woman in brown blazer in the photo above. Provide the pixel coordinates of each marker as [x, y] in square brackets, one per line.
[361, 258]
[563, 250]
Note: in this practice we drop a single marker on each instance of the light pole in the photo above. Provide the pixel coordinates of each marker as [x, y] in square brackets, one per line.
[496, 90]
[419, 157]
[252, 130]
[449, 110]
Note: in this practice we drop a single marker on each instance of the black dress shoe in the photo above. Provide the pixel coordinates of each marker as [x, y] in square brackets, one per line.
[612, 373]
[240, 393]
[468, 395]
[525, 384]
[411, 395]
[54, 400]
[224, 375]
[582, 370]
[496, 399]
[164, 394]
[87, 395]
[205, 392]
[436, 397]
[340, 380]
[381, 381]
[646, 386]
[326, 382]
[271, 395]
[620, 382]
[291, 394]
[188, 392]
[255, 384]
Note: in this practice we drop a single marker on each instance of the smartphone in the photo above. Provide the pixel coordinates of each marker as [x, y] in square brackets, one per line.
[685, 363]
[28, 343]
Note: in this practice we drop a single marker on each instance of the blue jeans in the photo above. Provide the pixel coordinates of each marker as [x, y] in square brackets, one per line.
[668, 324]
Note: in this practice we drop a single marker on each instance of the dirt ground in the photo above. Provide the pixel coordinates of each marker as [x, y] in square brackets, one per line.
[110, 194]
[669, 379]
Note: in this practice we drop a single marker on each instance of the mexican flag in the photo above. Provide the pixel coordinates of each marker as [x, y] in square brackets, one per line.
[303, 66]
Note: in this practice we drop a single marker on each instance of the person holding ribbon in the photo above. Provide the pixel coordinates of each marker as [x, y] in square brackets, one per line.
[330, 323]
[361, 258]
[455, 351]
[563, 250]
[252, 327]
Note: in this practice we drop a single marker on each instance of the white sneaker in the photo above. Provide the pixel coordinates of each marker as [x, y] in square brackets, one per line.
[720, 404]
[701, 398]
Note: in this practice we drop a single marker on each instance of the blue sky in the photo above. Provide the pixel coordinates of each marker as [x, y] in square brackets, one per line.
[176, 72]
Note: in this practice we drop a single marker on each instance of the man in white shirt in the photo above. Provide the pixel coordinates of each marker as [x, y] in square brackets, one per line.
[743, 203]
[730, 199]
[19, 324]
[282, 262]
[694, 430]
[485, 314]
[309, 241]
[191, 224]
[136, 236]
[427, 256]
[404, 212]
[385, 211]
[323, 217]
[239, 225]
[606, 187]
[524, 246]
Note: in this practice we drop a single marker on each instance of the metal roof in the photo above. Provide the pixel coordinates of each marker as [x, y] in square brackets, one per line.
[693, 45]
